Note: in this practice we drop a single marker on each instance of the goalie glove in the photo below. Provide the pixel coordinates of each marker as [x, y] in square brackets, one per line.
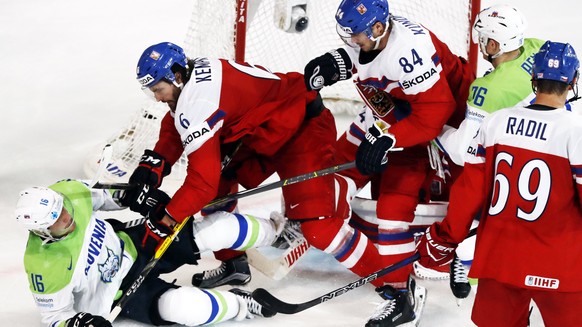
[151, 170]
[371, 156]
[327, 69]
[434, 250]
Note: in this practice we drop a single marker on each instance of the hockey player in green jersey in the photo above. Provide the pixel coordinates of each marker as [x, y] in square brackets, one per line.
[77, 263]
[499, 30]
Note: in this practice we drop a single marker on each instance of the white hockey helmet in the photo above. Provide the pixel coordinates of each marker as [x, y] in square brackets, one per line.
[38, 209]
[502, 23]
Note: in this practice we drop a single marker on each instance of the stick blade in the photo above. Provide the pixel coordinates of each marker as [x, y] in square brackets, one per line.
[267, 300]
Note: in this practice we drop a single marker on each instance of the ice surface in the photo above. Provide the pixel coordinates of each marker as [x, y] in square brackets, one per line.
[68, 83]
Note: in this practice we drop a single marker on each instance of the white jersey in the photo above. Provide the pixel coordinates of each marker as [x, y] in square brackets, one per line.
[411, 84]
[83, 271]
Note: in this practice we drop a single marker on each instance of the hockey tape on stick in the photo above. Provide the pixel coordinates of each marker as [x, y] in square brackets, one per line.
[106, 155]
[146, 270]
[269, 301]
[160, 250]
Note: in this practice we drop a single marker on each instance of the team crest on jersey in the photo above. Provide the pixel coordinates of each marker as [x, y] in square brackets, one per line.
[378, 100]
[110, 267]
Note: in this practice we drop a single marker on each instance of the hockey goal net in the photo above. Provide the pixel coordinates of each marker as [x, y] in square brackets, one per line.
[262, 32]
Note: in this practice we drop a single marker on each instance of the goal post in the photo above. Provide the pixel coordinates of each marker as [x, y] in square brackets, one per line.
[263, 32]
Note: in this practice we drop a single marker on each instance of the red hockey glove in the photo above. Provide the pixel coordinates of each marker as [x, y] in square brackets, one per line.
[151, 170]
[155, 231]
[371, 156]
[435, 251]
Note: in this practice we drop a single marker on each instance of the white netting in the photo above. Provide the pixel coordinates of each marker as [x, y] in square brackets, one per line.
[211, 34]
[281, 51]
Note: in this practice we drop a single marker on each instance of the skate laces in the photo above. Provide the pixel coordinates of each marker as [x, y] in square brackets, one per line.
[209, 274]
[384, 309]
[291, 232]
[459, 272]
[253, 306]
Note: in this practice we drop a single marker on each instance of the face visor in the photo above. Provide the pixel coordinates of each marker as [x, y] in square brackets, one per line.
[345, 33]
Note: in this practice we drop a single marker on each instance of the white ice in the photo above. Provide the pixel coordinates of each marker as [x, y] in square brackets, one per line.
[68, 83]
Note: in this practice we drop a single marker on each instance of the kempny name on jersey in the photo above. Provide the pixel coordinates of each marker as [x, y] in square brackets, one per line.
[202, 70]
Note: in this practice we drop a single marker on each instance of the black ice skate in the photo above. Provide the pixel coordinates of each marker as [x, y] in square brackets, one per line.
[400, 308]
[253, 307]
[234, 271]
[459, 281]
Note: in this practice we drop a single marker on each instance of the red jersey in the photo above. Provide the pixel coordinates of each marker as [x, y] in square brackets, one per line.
[524, 169]
[223, 102]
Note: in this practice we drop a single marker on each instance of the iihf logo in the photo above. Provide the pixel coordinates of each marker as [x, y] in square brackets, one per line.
[542, 282]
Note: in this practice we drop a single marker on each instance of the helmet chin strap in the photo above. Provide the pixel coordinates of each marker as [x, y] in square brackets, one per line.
[379, 38]
[178, 85]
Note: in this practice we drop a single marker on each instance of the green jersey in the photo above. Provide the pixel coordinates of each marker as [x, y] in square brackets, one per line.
[508, 85]
[83, 271]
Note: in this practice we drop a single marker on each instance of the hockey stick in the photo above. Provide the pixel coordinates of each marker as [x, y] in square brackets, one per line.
[280, 266]
[178, 227]
[127, 186]
[270, 302]
[160, 250]
[281, 183]
[146, 270]
[103, 162]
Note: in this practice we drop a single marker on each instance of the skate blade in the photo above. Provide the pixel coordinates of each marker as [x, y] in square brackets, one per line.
[420, 293]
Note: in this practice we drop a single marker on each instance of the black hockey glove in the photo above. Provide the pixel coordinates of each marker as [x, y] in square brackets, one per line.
[146, 200]
[151, 170]
[85, 319]
[150, 203]
[328, 69]
[371, 156]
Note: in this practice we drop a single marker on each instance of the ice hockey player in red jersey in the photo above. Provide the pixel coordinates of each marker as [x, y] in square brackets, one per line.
[526, 177]
[412, 84]
[283, 128]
